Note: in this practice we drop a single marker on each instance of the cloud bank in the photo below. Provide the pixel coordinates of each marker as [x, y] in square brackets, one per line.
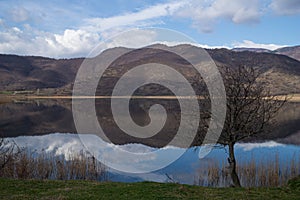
[286, 7]
[251, 44]
[205, 14]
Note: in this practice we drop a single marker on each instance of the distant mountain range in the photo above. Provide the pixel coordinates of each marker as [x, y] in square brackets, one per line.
[280, 68]
[257, 50]
[293, 52]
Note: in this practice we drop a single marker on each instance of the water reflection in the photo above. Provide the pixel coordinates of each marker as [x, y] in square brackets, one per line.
[39, 124]
[184, 170]
[35, 117]
[41, 117]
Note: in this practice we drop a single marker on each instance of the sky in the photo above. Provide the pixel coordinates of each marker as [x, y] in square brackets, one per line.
[65, 29]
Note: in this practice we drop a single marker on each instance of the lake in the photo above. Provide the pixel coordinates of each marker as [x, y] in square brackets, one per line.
[44, 125]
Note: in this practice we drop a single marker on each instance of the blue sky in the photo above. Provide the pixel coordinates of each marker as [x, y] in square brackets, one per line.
[62, 28]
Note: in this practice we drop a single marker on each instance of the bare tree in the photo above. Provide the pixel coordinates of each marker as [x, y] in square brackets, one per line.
[250, 110]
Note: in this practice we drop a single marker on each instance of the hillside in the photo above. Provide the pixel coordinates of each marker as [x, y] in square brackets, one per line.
[258, 50]
[281, 73]
[293, 52]
[30, 72]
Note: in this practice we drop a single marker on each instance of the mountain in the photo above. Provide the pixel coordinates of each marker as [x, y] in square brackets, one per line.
[258, 50]
[280, 72]
[293, 52]
[31, 72]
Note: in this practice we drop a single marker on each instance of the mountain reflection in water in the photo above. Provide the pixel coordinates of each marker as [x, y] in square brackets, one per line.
[40, 117]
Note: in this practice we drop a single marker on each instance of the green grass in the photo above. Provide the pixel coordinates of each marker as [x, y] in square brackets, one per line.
[46, 189]
[6, 92]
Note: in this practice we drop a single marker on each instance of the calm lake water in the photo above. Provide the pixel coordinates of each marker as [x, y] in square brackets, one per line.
[47, 125]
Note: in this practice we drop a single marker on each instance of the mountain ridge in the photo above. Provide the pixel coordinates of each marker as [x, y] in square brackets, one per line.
[290, 51]
[282, 73]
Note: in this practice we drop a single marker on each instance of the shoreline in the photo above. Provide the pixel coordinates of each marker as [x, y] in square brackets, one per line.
[9, 98]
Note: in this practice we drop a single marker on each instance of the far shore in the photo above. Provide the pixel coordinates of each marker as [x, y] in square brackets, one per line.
[7, 98]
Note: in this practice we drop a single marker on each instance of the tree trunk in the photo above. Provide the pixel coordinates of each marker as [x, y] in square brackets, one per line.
[232, 166]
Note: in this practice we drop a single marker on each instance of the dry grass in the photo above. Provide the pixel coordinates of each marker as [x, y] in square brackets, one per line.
[252, 173]
[26, 164]
[30, 165]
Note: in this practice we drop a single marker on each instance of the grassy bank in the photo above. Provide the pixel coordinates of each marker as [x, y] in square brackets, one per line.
[35, 189]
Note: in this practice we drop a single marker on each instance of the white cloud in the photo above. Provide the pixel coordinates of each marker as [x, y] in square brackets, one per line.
[71, 43]
[205, 13]
[76, 41]
[286, 7]
[251, 146]
[66, 144]
[205, 46]
[250, 44]
[133, 19]
[136, 38]
[129, 157]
